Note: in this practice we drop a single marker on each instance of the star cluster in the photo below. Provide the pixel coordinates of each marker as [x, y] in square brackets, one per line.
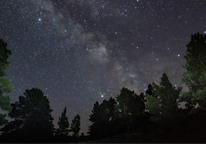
[82, 51]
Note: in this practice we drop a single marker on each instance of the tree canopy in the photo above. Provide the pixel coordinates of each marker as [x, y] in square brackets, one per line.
[195, 70]
[129, 103]
[102, 117]
[164, 101]
[5, 85]
[126, 113]
[31, 116]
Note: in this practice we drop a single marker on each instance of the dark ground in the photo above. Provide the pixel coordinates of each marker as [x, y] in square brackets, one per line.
[187, 129]
[184, 129]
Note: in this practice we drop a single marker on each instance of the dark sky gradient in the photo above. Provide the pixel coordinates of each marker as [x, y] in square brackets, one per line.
[82, 51]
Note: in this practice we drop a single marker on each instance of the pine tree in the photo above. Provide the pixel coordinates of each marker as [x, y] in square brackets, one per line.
[75, 126]
[63, 124]
[195, 71]
[5, 85]
[31, 116]
[129, 103]
[94, 129]
[94, 116]
[163, 102]
[130, 110]
[102, 118]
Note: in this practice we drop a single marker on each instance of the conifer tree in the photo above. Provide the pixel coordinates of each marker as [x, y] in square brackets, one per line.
[128, 102]
[163, 102]
[5, 85]
[130, 110]
[102, 118]
[75, 126]
[195, 71]
[94, 129]
[63, 124]
[31, 116]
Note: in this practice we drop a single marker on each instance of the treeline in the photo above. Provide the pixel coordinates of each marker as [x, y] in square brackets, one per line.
[30, 116]
[156, 111]
[132, 113]
[151, 115]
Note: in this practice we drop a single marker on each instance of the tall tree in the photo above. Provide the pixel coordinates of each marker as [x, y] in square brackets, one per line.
[102, 118]
[163, 102]
[75, 126]
[5, 85]
[94, 129]
[129, 103]
[130, 110]
[63, 124]
[195, 70]
[31, 116]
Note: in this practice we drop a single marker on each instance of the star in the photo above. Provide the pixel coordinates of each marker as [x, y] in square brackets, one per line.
[73, 50]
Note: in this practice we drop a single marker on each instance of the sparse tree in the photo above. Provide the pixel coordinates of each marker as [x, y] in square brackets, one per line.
[63, 124]
[75, 126]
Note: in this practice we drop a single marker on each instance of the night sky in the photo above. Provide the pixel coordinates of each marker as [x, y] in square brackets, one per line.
[82, 51]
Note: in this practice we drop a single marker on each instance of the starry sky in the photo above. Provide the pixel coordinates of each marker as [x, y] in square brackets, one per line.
[82, 51]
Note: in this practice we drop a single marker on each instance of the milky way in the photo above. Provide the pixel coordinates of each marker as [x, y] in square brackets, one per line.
[82, 51]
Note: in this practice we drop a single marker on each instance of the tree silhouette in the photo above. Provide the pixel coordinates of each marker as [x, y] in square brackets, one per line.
[63, 123]
[195, 71]
[94, 116]
[153, 105]
[31, 116]
[5, 85]
[102, 118]
[129, 103]
[149, 90]
[164, 102]
[75, 126]
[130, 109]
[94, 129]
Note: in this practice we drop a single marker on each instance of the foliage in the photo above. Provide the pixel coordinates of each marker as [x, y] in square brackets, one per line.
[4, 55]
[149, 90]
[31, 116]
[130, 110]
[126, 113]
[5, 85]
[75, 126]
[153, 105]
[63, 124]
[102, 118]
[195, 70]
[164, 99]
[129, 103]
